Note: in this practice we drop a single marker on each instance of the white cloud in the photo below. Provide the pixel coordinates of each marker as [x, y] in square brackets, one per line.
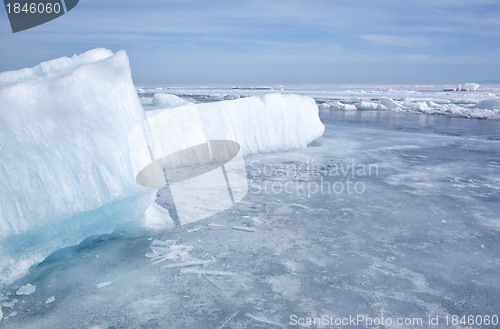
[417, 58]
[391, 40]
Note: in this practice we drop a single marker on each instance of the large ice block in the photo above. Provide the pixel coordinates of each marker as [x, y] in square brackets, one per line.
[68, 166]
[65, 170]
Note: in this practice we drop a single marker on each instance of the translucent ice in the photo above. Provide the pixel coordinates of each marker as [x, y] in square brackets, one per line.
[26, 290]
[168, 100]
[65, 171]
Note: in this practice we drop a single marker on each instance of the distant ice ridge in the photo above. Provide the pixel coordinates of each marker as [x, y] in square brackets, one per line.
[65, 171]
[443, 99]
[470, 87]
[484, 109]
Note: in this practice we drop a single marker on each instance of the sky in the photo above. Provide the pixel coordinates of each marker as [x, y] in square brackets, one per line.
[280, 42]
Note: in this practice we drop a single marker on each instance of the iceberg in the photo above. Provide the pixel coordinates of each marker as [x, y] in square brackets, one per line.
[65, 171]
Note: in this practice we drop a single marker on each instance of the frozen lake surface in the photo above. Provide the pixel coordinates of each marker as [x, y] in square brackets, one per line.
[444, 99]
[391, 214]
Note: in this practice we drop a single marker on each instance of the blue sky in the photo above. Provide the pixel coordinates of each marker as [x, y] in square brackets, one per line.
[283, 41]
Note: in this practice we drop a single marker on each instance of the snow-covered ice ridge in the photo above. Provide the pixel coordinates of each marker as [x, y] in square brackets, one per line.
[468, 100]
[291, 121]
[65, 163]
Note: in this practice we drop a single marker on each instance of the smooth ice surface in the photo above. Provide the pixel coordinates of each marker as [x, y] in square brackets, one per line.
[490, 104]
[420, 238]
[65, 170]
